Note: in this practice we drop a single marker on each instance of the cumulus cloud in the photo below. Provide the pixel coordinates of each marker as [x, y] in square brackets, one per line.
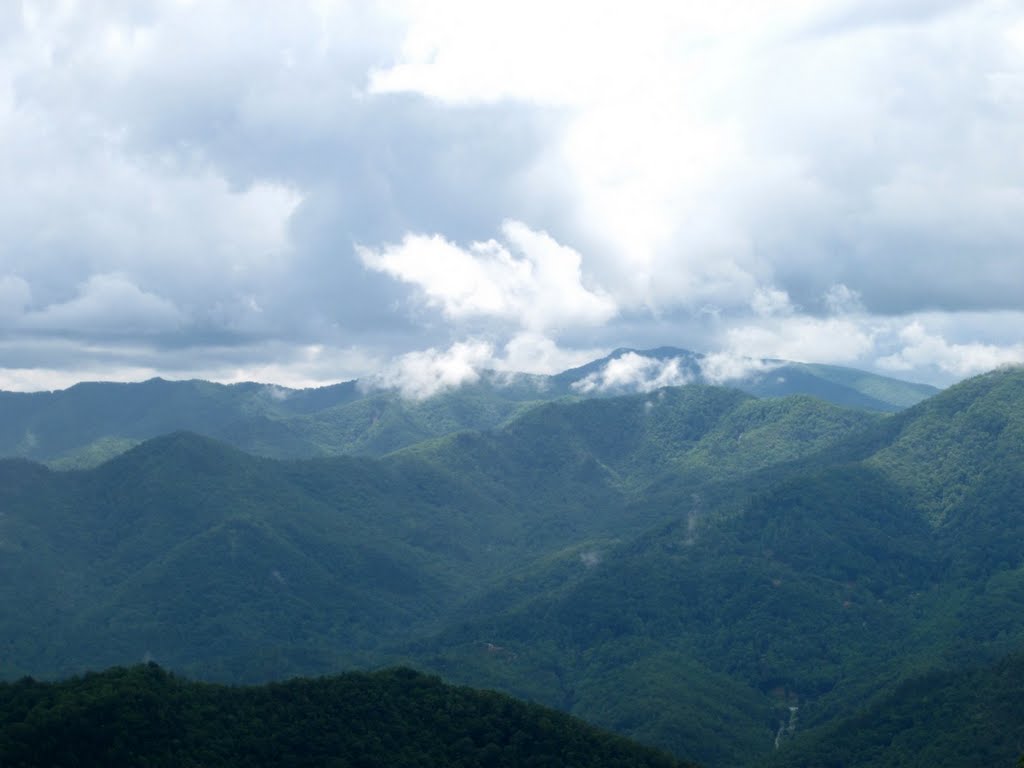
[797, 180]
[631, 372]
[108, 304]
[422, 374]
[921, 349]
[529, 352]
[533, 281]
[803, 338]
[767, 302]
[722, 367]
[839, 299]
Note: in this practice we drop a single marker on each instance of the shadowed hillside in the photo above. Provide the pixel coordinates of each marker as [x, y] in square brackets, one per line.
[144, 716]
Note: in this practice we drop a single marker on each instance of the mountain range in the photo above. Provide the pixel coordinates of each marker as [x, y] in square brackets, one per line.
[91, 422]
[782, 578]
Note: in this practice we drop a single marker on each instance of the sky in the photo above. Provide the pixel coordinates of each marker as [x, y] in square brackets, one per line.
[308, 192]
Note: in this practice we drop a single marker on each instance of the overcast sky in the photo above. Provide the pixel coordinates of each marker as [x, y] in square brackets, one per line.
[307, 192]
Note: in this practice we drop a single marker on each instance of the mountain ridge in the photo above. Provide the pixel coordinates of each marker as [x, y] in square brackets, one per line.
[682, 565]
[90, 422]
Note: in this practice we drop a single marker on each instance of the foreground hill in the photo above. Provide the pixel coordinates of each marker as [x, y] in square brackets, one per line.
[91, 422]
[144, 716]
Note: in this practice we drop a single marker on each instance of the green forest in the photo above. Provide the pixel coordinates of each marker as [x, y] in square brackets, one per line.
[144, 716]
[732, 578]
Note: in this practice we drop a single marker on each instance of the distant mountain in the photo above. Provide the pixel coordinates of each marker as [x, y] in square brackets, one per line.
[144, 716]
[89, 423]
[625, 370]
[237, 567]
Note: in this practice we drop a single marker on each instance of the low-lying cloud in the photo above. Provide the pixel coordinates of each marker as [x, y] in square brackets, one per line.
[419, 375]
[631, 372]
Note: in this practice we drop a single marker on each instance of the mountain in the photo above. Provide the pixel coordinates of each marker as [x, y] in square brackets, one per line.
[943, 719]
[706, 571]
[89, 423]
[818, 583]
[236, 567]
[625, 370]
[145, 716]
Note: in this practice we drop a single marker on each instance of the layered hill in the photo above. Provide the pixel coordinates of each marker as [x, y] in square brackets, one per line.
[703, 570]
[92, 422]
[236, 567]
[144, 716]
[944, 719]
[816, 584]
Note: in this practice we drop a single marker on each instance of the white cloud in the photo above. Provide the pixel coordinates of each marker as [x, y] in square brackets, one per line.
[842, 300]
[768, 302]
[803, 338]
[534, 353]
[293, 366]
[722, 367]
[922, 349]
[419, 375]
[665, 169]
[534, 282]
[631, 372]
[48, 379]
[804, 144]
[108, 303]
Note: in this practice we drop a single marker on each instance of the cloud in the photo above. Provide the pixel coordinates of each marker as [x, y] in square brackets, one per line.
[108, 304]
[762, 145]
[767, 302]
[795, 180]
[631, 372]
[803, 338]
[922, 349]
[533, 281]
[841, 300]
[423, 374]
[530, 352]
[15, 296]
[722, 367]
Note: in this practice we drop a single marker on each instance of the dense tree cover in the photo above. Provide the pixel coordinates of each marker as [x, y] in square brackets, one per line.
[232, 567]
[91, 422]
[683, 566]
[942, 719]
[816, 584]
[144, 716]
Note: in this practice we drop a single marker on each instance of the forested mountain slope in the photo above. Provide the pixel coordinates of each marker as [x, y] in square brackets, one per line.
[91, 422]
[683, 566]
[236, 567]
[817, 584]
[393, 719]
[943, 719]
